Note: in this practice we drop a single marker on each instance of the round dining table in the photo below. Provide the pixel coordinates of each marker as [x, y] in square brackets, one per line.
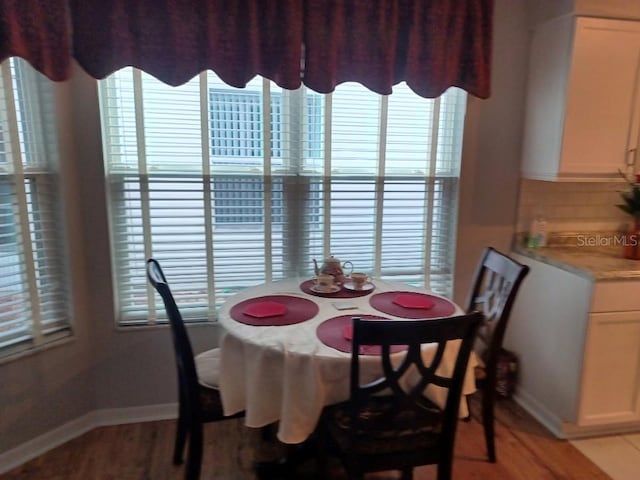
[285, 349]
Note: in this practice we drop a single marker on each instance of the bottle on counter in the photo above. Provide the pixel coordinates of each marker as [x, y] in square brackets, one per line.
[537, 233]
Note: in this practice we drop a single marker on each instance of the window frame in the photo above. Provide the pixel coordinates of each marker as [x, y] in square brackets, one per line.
[29, 169]
[293, 171]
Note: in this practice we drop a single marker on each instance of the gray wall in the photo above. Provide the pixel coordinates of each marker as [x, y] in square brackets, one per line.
[103, 367]
[491, 151]
[493, 128]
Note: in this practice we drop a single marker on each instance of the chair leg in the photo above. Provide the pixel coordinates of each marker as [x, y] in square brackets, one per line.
[353, 470]
[323, 469]
[268, 432]
[194, 460]
[181, 435]
[445, 468]
[488, 421]
[468, 417]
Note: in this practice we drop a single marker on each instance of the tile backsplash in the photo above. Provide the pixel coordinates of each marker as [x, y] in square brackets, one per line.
[572, 207]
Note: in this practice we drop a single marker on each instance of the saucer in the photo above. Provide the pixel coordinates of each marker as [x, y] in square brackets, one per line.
[365, 286]
[333, 289]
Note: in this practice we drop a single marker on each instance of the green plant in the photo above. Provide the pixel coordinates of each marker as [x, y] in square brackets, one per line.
[631, 197]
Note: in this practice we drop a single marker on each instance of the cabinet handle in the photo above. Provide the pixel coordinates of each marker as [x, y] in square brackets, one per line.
[631, 157]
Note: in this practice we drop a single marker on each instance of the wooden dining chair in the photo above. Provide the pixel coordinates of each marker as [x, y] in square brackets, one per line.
[495, 285]
[401, 428]
[199, 397]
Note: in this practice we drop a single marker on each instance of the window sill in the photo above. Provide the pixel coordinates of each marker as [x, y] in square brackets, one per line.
[161, 326]
[53, 343]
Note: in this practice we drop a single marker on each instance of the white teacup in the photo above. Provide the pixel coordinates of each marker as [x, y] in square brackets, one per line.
[324, 282]
[359, 280]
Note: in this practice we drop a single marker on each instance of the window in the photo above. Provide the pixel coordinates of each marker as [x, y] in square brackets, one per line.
[237, 125]
[33, 303]
[240, 200]
[227, 195]
[237, 134]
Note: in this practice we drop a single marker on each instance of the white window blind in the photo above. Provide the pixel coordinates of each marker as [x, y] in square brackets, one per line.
[33, 299]
[229, 188]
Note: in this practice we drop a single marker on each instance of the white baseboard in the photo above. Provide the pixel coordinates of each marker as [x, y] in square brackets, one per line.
[539, 412]
[568, 430]
[574, 432]
[147, 413]
[70, 430]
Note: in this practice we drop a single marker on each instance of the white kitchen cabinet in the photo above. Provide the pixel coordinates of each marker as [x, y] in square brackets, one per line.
[583, 101]
[611, 370]
[578, 341]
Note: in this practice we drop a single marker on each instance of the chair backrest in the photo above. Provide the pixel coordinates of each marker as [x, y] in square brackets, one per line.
[187, 374]
[410, 398]
[495, 285]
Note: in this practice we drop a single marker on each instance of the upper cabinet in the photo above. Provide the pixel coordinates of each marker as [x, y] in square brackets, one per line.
[583, 101]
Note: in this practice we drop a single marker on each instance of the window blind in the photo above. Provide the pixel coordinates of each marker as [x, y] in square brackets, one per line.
[230, 188]
[33, 297]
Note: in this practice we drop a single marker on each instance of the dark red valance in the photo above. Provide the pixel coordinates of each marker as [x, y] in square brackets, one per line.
[175, 40]
[430, 44]
[38, 31]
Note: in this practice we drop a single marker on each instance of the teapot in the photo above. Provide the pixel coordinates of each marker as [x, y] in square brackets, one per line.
[332, 266]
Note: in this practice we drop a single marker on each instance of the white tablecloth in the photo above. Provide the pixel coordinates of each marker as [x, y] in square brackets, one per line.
[286, 374]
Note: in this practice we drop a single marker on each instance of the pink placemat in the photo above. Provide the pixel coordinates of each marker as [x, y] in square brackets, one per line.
[386, 303]
[342, 293]
[297, 310]
[337, 333]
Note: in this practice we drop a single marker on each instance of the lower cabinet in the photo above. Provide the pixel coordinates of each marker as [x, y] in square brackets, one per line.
[579, 348]
[611, 370]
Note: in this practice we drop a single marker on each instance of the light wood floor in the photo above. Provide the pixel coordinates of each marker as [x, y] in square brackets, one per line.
[142, 451]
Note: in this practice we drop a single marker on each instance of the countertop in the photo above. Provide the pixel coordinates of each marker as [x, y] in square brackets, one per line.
[595, 256]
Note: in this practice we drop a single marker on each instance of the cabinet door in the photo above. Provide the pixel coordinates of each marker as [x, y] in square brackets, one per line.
[611, 371]
[603, 104]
